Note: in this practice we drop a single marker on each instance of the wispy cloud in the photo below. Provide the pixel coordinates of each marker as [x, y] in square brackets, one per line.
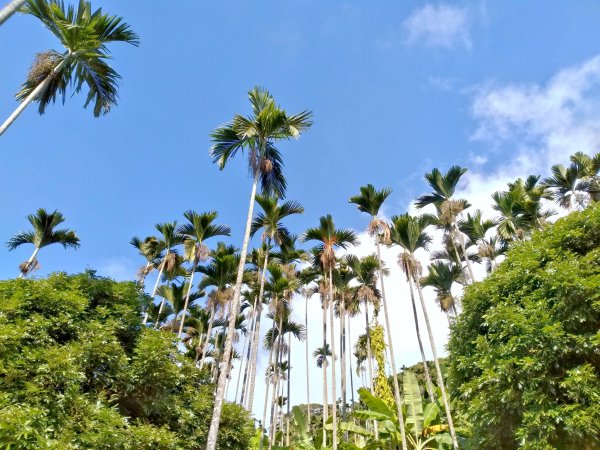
[553, 121]
[440, 25]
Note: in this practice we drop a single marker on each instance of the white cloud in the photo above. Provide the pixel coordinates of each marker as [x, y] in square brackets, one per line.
[440, 25]
[548, 122]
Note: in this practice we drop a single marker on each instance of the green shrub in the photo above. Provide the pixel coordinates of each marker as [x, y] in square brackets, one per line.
[78, 370]
[525, 353]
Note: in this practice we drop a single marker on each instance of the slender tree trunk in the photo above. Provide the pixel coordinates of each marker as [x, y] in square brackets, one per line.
[211, 440]
[391, 349]
[10, 9]
[324, 366]
[271, 351]
[287, 426]
[350, 362]
[370, 360]
[155, 288]
[254, 353]
[343, 359]
[208, 333]
[273, 419]
[369, 355]
[438, 370]
[464, 252]
[237, 387]
[306, 357]
[30, 261]
[37, 91]
[248, 355]
[428, 382]
[333, 377]
[187, 298]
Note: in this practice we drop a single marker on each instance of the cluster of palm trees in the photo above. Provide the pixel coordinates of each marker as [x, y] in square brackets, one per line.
[212, 297]
[84, 36]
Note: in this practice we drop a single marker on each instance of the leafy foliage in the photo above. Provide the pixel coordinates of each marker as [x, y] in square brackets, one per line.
[524, 352]
[77, 370]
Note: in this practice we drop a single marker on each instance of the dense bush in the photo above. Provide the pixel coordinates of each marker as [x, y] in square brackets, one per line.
[525, 352]
[77, 370]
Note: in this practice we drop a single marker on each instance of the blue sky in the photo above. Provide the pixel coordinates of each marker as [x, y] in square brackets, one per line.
[392, 86]
[397, 88]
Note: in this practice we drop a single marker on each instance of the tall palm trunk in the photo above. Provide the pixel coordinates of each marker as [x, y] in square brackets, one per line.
[156, 283]
[350, 363]
[369, 355]
[440, 379]
[417, 330]
[208, 332]
[324, 366]
[37, 91]
[187, 298]
[276, 386]
[248, 355]
[254, 352]
[343, 360]
[307, 370]
[30, 262]
[461, 241]
[391, 348]
[10, 9]
[289, 375]
[211, 440]
[239, 377]
[333, 377]
[269, 367]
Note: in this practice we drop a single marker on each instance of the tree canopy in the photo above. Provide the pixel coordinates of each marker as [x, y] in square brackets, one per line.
[78, 370]
[524, 358]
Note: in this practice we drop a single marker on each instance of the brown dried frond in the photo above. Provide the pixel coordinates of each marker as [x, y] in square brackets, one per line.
[410, 265]
[202, 252]
[446, 301]
[42, 66]
[266, 165]
[366, 293]
[170, 262]
[449, 210]
[381, 229]
[27, 267]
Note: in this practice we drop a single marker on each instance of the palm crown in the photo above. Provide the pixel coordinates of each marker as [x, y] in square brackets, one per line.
[84, 35]
[257, 134]
[271, 216]
[329, 238]
[44, 233]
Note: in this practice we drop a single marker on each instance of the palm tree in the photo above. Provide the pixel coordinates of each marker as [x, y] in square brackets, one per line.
[84, 35]
[199, 228]
[568, 185]
[329, 238]
[307, 277]
[365, 272]
[220, 274]
[369, 201]
[448, 209]
[269, 220]
[409, 233]
[170, 262]
[476, 228]
[176, 295]
[151, 249]
[322, 354]
[257, 135]
[441, 276]
[10, 9]
[44, 233]
[590, 167]
[521, 208]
